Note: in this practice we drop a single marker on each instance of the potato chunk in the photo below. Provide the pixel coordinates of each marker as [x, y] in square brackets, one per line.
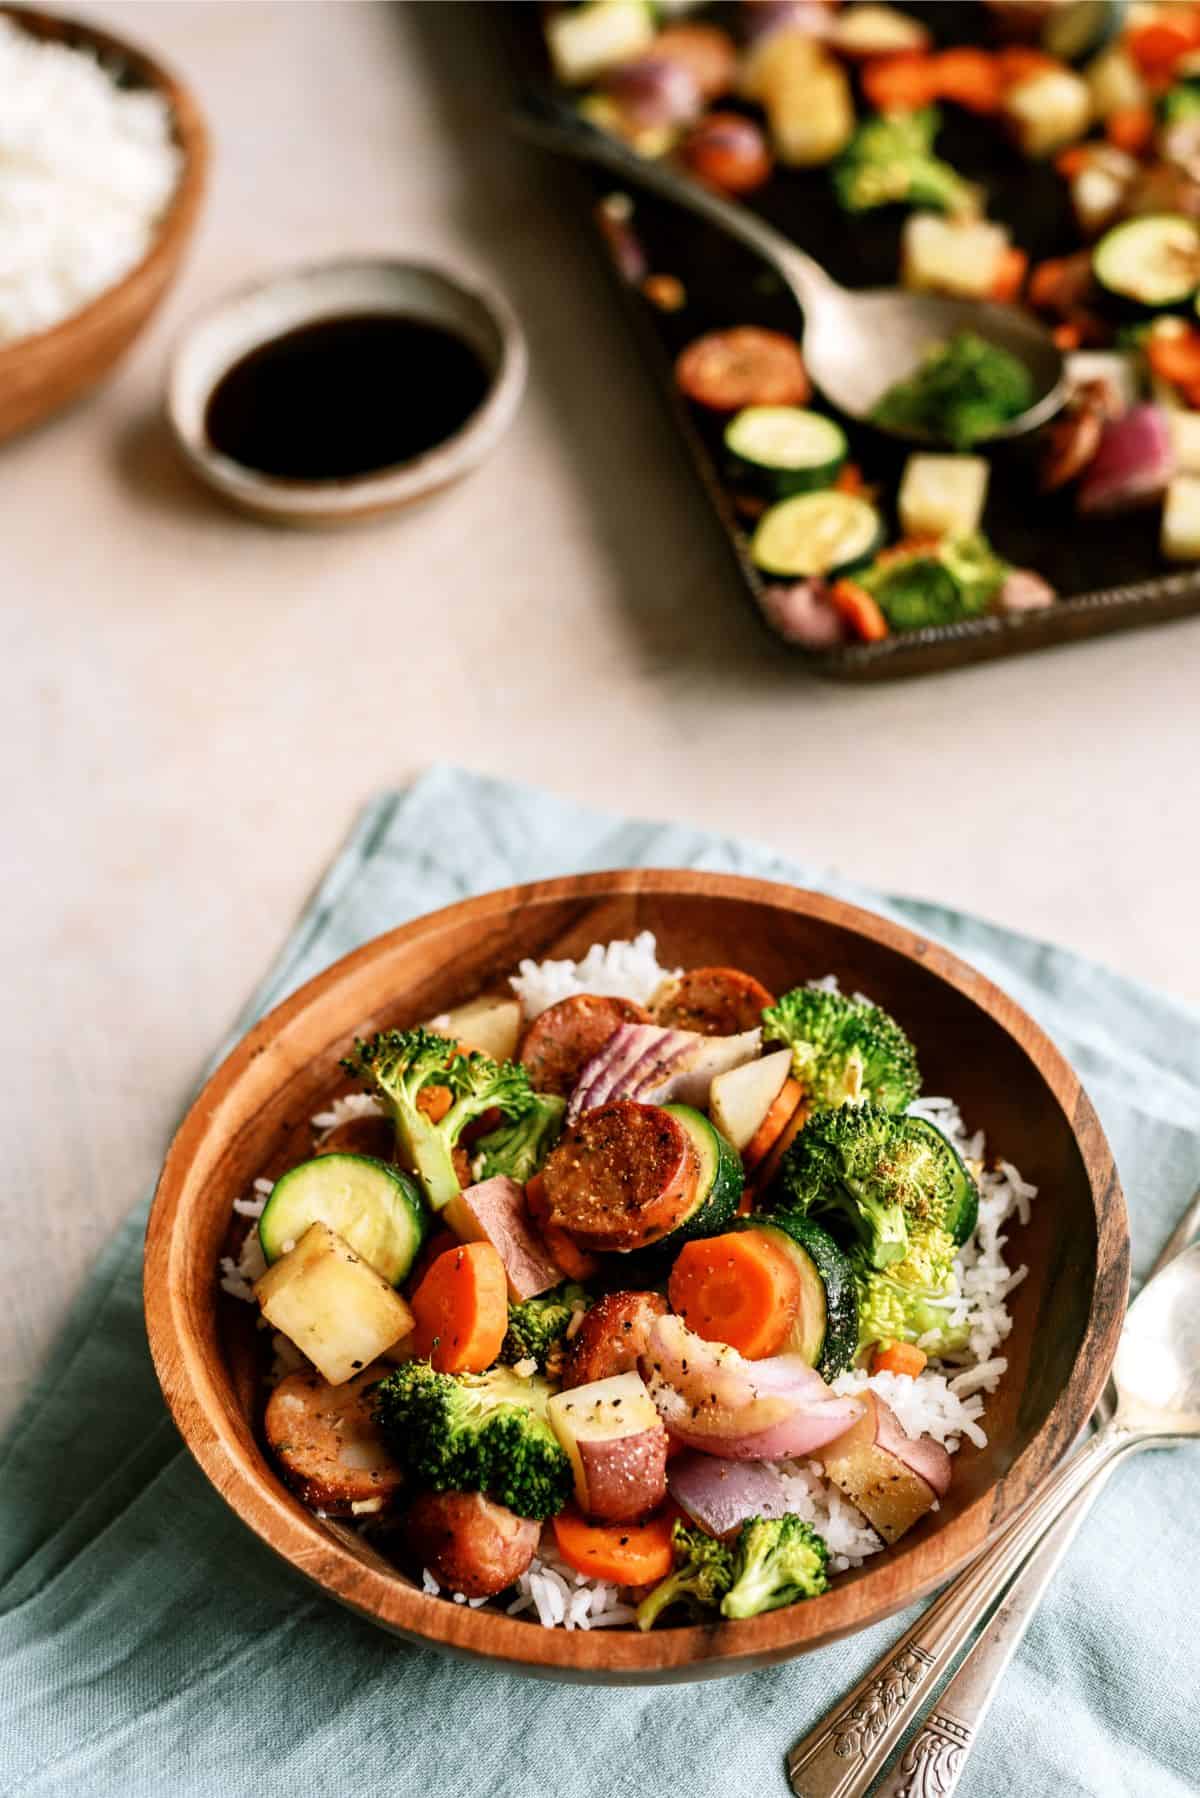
[617, 1446]
[335, 1308]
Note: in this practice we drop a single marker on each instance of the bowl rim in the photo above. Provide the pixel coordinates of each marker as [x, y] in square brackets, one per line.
[693, 1652]
[378, 490]
[192, 140]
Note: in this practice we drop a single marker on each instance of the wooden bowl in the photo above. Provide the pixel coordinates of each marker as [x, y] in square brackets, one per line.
[41, 374]
[974, 1043]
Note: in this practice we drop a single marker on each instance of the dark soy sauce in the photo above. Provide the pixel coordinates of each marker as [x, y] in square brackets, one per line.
[345, 396]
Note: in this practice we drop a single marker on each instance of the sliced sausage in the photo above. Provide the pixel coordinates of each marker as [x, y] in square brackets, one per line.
[329, 1448]
[564, 1037]
[611, 1337]
[714, 1001]
[623, 1176]
[468, 1543]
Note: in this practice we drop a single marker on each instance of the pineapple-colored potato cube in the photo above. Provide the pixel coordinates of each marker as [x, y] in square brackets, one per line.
[1181, 520]
[942, 496]
[951, 255]
[492, 1025]
[334, 1306]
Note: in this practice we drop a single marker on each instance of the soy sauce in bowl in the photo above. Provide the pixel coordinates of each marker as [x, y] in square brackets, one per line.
[340, 392]
[345, 396]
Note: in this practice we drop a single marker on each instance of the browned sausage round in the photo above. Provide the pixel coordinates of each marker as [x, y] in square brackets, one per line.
[331, 1452]
[714, 1001]
[470, 1544]
[623, 1176]
[611, 1336]
[562, 1039]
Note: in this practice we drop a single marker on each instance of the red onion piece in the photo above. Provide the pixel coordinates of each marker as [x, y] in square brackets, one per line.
[1024, 591]
[920, 1454]
[720, 1495]
[654, 91]
[807, 1429]
[1133, 464]
[763, 18]
[801, 613]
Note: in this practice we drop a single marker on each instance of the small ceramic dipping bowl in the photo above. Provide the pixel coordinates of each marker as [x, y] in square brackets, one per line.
[260, 314]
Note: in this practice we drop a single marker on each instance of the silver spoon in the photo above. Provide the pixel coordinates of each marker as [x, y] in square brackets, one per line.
[857, 344]
[1157, 1378]
[941, 1746]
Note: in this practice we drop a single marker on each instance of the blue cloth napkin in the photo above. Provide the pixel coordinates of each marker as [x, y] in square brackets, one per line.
[150, 1644]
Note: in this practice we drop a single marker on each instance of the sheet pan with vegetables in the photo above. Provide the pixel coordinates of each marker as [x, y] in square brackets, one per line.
[1046, 156]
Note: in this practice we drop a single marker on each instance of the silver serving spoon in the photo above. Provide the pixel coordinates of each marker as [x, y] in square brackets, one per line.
[857, 344]
[1156, 1374]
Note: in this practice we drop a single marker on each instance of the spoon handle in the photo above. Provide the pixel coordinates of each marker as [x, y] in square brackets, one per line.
[849, 1749]
[546, 121]
[936, 1758]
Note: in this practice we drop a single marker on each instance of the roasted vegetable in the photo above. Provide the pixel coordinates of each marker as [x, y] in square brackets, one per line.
[962, 391]
[939, 584]
[890, 161]
[519, 1146]
[536, 1328]
[702, 1575]
[778, 1560]
[844, 1050]
[403, 1065]
[476, 1433]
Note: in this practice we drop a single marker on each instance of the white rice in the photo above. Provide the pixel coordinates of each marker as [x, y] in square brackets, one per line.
[86, 171]
[613, 970]
[346, 1110]
[946, 1401]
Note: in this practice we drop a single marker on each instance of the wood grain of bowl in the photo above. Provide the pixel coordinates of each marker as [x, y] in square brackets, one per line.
[43, 373]
[973, 1042]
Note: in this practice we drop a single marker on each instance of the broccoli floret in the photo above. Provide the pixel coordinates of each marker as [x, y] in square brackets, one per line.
[1181, 102]
[890, 160]
[843, 1050]
[404, 1064]
[886, 1182]
[518, 1148]
[702, 1576]
[960, 391]
[537, 1326]
[954, 579]
[476, 1433]
[895, 1309]
[777, 1561]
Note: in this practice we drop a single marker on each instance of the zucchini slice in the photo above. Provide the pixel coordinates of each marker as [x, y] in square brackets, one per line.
[963, 1211]
[373, 1207]
[785, 449]
[718, 1190]
[825, 1332]
[816, 533]
[1153, 261]
[1077, 29]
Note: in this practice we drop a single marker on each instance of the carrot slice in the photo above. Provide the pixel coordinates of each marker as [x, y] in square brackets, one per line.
[1019, 61]
[1163, 40]
[904, 82]
[627, 1554]
[726, 370]
[739, 1288]
[461, 1309]
[1072, 161]
[1175, 359]
[773, 1125]
[849, 478]
[969, 77]
[1067, 337]
[1009, 277]
[783, 1142]
[1130, 128]
[899, 1357]
[858, 608]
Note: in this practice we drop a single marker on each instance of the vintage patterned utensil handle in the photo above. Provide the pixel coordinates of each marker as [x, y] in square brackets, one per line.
[847, 1752]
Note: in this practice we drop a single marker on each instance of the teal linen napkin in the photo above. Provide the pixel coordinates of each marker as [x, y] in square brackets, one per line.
[150, 1644]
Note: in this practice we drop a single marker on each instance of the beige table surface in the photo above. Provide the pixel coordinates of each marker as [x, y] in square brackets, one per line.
[195, 707]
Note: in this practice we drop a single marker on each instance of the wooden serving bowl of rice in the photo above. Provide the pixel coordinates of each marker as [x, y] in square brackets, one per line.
[44, 371]
[252, 1121]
